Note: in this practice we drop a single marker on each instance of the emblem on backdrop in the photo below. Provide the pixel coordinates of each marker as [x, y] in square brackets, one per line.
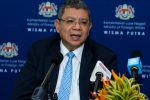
[8, 50]
[47, 9]
[125, 12]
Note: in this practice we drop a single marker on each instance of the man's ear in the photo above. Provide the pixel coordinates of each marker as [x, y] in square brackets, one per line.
[57, 25]
[90, 26]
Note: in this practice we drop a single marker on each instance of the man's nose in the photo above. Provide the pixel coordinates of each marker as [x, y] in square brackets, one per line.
[77, 25]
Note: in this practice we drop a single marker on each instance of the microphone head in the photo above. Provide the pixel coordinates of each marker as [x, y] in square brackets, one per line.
[136, 53]
[134, 64]
[57, 59]
[99, 74]
[100, 68]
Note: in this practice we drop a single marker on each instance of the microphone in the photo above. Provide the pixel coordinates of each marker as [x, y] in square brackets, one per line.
[40, 92]
[100, 67]
[134, 64]
[99, 74]
[98, 82]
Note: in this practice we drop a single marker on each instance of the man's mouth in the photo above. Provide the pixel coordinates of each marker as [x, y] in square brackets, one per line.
[75, 37]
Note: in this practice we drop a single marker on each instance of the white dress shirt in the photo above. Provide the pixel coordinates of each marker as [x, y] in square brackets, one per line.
[76, 61]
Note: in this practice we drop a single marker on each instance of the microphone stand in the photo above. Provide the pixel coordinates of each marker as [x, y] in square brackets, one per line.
[50, 94]
[98, 79]
[41, 91]
[134, 71]
[98, 84]
[44, 91]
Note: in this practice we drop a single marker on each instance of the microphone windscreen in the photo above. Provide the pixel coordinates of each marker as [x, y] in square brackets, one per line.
[136, 53]
[134, 63]
[57, 59]
[100, 67]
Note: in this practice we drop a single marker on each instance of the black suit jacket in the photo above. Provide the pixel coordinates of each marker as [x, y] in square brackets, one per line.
[39, 61]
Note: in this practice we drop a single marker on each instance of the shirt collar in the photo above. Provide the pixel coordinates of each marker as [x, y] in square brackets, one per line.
[77, 52]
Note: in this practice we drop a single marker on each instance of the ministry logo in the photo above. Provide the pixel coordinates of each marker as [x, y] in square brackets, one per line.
[8, 50]
[47, 9]
[125, 12]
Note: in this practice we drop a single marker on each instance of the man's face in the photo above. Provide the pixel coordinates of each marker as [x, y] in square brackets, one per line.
[73, 27]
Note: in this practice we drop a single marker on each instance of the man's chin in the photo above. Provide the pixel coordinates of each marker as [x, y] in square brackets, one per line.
[76, 45]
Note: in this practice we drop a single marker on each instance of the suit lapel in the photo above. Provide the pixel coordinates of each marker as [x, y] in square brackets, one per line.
[85, 72]
[53, 50]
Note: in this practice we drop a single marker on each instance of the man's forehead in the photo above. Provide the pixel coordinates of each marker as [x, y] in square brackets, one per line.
[75, 12]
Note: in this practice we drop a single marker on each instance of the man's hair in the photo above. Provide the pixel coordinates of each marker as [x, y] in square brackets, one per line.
[77, 4]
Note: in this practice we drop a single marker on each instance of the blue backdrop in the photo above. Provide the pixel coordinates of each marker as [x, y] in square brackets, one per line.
[122, 25]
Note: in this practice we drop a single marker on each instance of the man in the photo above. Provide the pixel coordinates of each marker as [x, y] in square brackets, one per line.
[73, 25]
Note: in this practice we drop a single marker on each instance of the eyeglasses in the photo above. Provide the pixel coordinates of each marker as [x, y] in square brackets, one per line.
[73, 22]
